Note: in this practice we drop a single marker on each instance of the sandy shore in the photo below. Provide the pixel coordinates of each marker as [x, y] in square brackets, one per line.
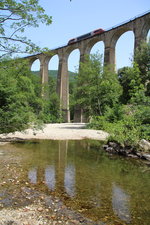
[61, 131]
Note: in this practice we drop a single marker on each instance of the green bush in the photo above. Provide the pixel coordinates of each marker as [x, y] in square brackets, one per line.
[126, 131]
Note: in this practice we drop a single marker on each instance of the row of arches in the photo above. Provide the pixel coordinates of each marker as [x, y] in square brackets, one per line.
[124, 54]
[116, 47]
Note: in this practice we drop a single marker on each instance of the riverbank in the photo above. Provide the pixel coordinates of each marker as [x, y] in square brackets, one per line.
[46, 210]
[74, 131]
[59, 131]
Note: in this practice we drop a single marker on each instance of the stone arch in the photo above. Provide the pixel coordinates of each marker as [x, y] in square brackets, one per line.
[98, 47]
[110, 43]
[70, 50]
[146, 30]
[32, 60]
[76, 57]
[53, 57]
[92, 42]
[118, 34]
[35, 65]
[126, 39]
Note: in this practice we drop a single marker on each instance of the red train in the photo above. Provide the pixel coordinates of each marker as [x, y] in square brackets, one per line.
[95, 32]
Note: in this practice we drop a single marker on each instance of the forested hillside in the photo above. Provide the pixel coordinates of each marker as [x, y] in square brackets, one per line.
[53, 74]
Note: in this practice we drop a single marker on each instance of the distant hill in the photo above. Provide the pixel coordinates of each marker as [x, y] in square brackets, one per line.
[53, 74]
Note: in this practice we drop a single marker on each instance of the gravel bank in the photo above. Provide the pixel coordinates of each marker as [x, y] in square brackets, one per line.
[39, 213]
[61, 131]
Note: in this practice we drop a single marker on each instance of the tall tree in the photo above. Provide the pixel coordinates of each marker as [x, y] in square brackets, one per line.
[97, 88]
[21, 104]
[142, 58]
[136, 79]
[15, 17]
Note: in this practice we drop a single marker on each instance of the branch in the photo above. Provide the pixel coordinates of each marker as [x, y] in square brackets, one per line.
[2, 21]
[11, 9]
[14, 39]
[18, 30]
[6, 9]
[8, 18]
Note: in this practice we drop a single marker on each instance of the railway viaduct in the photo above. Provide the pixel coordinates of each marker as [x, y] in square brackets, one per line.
[139, 25]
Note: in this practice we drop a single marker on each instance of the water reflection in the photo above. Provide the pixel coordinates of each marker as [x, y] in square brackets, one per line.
[89, 181]
[69, 181]
[120, 203]
[32, 175]
[50, 177]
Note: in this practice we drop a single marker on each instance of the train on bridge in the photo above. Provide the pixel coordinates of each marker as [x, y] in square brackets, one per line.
[90, 34]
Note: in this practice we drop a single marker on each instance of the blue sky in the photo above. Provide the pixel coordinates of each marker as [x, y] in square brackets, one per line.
[72, 19]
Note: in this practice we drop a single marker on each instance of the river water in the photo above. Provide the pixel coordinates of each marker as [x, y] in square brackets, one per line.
[111, 189]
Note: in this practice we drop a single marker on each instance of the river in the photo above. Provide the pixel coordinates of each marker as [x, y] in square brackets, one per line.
[99, 186]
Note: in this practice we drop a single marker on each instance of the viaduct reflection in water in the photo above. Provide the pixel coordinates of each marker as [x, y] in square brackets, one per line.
[60, 174]
[50, 177]
[121, 203]
[82, 175]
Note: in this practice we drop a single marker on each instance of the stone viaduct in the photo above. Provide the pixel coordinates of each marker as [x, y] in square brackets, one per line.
[139, 25]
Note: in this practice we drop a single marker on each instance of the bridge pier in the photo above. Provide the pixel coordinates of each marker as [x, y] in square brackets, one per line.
[44, 76]
[109, 56]
[44, 70]
[63, 87]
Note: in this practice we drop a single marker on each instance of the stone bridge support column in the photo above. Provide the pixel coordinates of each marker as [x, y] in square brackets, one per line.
[44, 75]
[109, 55]
[140, 36]
[63, 87]
[44, 70]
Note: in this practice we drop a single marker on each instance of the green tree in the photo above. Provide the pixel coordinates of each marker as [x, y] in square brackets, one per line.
[97, 88]
[86, 94]
[124, 79]
[21, 103]
[142, 58]
[15, 17]
[131, 82]
[136, 79]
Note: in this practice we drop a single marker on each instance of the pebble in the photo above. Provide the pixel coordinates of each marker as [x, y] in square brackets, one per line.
[40, 209]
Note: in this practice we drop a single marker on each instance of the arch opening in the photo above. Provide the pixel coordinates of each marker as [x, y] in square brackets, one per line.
[35, 67]
[53, 73]
[125, 50]
[73, 68]
[73, 61]
[98, 48]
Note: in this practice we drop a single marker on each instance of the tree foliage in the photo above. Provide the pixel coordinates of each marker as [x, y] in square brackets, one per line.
[142, 59]
[136, 78]
[129, 120]
[15, 17]
[97, 88]
[21, 104]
